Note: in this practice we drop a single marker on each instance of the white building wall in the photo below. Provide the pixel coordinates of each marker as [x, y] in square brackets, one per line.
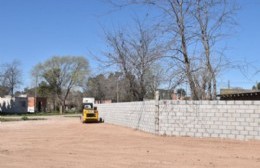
[13, 105]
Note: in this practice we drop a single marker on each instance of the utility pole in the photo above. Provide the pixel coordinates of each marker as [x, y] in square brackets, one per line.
[35, 93]
[117, 90]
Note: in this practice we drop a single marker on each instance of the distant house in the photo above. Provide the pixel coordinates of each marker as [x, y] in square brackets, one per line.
[22, 104]
[16, 105]
[239, 94]
[37, 104]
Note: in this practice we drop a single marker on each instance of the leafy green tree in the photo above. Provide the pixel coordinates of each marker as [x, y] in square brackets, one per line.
[96, 87]
[113, 86]
[61, 74]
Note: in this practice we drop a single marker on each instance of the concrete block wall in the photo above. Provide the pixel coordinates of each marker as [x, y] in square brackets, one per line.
[219, 119]
[137, 115]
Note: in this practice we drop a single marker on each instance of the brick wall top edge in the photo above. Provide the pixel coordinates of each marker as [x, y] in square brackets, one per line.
[188, 102]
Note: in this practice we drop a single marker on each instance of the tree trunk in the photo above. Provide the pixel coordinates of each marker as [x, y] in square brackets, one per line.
[61, 109]
[214, 96]
[193, 89]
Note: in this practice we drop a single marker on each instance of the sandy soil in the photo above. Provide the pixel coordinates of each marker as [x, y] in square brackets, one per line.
[63, 142]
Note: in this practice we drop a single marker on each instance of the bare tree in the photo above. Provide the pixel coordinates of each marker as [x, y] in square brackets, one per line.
[63, 74]
[11, 77]
[134, 54]
[211, 17]
[192, 28]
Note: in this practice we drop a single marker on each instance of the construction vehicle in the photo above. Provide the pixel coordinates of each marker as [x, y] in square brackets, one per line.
[89, 112]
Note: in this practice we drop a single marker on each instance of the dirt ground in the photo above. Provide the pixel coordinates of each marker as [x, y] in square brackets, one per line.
[63, 142]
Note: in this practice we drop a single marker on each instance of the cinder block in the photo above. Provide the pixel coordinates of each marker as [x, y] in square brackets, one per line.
[240, 111]
[214, 135]
[213, 102]
[191, 134]
[223, 110]
[243, 132]
[226, 131]
[250, 110]
[214, 118]
[231, 127]
[239, 102]
[206, 135]
[244, 124]
[218, 131]
[248, 102]
[205, 102]
[246, 115]
[179, 129]
[253, 133]
[253, 124]
[218, 122]
[240, 119]
[249, 128]
[210, 114]
[231, 102]
[209, 122]
[162, 132]
[183, 134]
[198, 134]
[256, 102]
[176, 133]
[231, 110]
[240, 128]
[226, 123]
[254, 115]
[214, 126]
[222, 127]
[190, 125]
[231, 136]
[257, 137]
[240, 137]
[234, 132]
[231, 119]
[249, 120]
[168, 132]
[221, 102]
[248, 137]
[223, 119]
[197, 126]
[227, 115]
[218, 114]
[193, 130]
[201, 130]
[223, 135]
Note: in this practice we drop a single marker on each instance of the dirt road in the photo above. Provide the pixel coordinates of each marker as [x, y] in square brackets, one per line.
[63, 142]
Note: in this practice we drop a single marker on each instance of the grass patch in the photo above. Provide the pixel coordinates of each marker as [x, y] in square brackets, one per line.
[9, 119]
[37, 114]
[76, 116]
[23, 118]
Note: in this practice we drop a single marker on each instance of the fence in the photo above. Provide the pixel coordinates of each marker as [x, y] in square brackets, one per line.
[218, 119]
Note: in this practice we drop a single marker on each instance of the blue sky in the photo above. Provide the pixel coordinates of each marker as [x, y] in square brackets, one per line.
[32, 31]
